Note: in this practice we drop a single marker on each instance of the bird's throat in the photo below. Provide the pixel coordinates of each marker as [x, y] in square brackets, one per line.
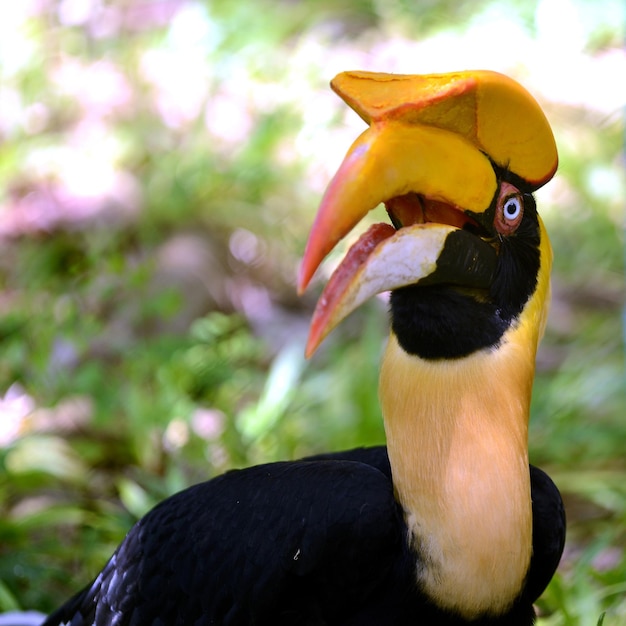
[457, 441]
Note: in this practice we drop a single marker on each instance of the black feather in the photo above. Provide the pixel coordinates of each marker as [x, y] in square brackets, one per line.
[315, 542]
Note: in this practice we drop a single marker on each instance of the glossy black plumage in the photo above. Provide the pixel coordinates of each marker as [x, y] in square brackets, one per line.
[315, 542]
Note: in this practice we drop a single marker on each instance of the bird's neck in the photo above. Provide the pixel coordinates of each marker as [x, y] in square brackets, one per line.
[457, 441]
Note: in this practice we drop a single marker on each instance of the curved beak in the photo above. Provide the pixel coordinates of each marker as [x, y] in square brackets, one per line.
[429, 155]
[391, 160]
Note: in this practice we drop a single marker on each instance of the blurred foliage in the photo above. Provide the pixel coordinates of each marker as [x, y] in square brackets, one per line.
[160, 163]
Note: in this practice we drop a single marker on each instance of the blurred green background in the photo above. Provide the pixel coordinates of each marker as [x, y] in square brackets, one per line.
[160, 166]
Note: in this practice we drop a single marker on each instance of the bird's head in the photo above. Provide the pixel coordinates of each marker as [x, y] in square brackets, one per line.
[455, 158]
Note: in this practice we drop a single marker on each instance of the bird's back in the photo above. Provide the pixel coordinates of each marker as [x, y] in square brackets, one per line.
[283, 543]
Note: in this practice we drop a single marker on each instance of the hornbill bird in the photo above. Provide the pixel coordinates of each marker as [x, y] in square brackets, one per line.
[448, 524]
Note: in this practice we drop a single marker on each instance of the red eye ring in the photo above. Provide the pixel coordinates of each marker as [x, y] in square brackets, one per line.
[509, 209]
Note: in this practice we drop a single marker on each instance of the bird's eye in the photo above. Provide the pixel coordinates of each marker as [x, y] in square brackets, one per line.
[509, 209]
[512, 208]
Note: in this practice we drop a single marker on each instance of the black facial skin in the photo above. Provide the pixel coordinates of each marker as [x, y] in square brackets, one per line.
[444, 321]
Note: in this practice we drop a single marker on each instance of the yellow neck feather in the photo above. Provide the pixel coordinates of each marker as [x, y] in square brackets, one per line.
[457, 440]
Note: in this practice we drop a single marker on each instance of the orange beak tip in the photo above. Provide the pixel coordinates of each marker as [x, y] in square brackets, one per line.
[302, 283]
[311, 347]
[315, 338]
